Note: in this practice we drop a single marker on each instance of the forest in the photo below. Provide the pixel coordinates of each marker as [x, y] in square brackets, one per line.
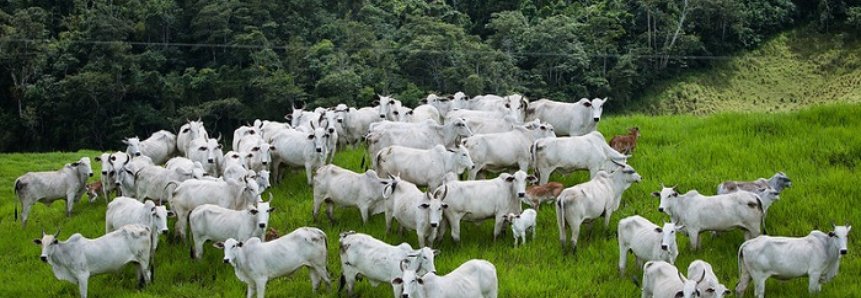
[87, 73]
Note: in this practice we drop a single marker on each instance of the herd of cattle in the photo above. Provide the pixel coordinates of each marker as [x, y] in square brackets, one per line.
[218, 197]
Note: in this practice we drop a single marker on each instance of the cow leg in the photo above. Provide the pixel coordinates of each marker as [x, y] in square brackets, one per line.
[421, 233]
[70, 199]
[759, 286]
[261, 287]
[197, 252]
[575, 234]
[330, 212]
[533, 233]
[455, 229]
[813, 285]
[179, 227]
[309, 173]
[560, 222]
[250, 292]
[473, 172]
[623, 258]
[317, 202]
[321, 275]
[82, 284]
[515, 239]
[388, 221]
[25, 211]
[694, 236]
[364, 212]
[498, 226]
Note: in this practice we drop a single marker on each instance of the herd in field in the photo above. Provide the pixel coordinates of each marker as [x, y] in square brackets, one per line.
[218, 197]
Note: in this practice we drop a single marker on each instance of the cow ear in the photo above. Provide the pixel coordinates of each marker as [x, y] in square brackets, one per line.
[421, 282]
[424, 206]
[219, 146]
[710, 290]
[219, 245]
[831, 234]
[37, 241]
[239, 244]
[587, 104]
[507, 106]
[311, 136]
[679, 294]
[436, 252]
[532, 179]
[517, 216]
[255, 149]
[727, 292]
[509, 179]
[375, 103]
[253, 211]
[75, 164]
[125, 141]
[397, 281]
[656, 194]
[171, 214]
[271, 147]
[271, 210]
[98, 158]
[659, 230]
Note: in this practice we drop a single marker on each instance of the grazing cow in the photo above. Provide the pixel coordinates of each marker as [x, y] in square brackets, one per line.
[257, 151]
[816, 256]
[647, 241]
[521, 223]
[777, 182]
[569, 154]
[537, 194]
[188, 132]
[423, 167]
[243, 131]
[415, 210]
[334, 185]
[475, 278]
[598, 197]
[710, 287]
[152, 181]
[378, 261]
[208, 153]
[479, 200]
[497, 152]
[663, 280]
[159, 147]
[108, 185]
[68, 183]
[425, 135]
[628, 143]
[216, 223]
[256, 262]
[295, 148]
[569, 119]
[125, 211]
[78, 258]
[233, 194]
[715, 213]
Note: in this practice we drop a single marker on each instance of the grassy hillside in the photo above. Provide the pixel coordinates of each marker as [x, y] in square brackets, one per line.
[793, 70]
[818, 148]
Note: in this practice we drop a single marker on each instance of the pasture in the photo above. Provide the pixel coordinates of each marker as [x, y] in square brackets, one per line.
[819, 148]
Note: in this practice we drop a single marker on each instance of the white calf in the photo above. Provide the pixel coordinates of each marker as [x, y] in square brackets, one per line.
[520, 223]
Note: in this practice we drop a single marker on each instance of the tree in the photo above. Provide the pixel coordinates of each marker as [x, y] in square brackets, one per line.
[25, 47]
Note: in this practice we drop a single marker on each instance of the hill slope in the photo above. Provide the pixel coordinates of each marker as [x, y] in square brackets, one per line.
[794, 69]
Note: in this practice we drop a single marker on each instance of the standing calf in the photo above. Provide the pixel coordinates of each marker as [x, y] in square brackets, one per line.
[520, 223]
[68, 183]
[537, 194]
[626, 144]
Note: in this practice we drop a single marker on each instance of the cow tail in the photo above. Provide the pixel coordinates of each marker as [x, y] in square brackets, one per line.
[560, 214]
[188, 228]
[533, 150]
[743, 272]
[343, 280]
[17, 196]
[761, 213]
[363, 161]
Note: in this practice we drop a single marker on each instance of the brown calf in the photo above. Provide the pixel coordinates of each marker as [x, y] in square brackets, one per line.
[627, 143]
[536, 194]
[93, 191]
[272, 234]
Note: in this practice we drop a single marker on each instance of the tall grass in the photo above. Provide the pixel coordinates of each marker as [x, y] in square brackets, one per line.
[818, 148]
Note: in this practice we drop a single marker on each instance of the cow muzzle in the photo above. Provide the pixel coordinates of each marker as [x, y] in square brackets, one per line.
[844, 251]
[405, 295]
[520, 194]
[265, 163]
[382, 116]
[664, 246]
[137, 154]
[164, 231]
[210, 160]
[104, 172]
[44, 258]
[319, 149]
[227, 261]
[91, 174]
[434, 225]
[597, 119]
[660, 209]
[263, 225]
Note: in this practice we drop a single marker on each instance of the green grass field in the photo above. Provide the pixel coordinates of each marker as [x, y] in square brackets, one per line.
[818, 148]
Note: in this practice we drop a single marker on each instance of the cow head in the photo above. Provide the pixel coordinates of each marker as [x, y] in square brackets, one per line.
[320, 138]
[542, 130]
[194, 130]
[263, 180]
[295, 117]
[432, 205]
[133, 146]
[518, 182]
[462, 159]
[231, 250]
[667, 196]
[596, 107]
[841, 236]
[460, 127]
[668, 237]
[262, 211]
[389, 108]
[213, 151]
[48, 242]
[689, 290]
[625, 174]
[83, 167]
[105, 160]
[780, 181]
[159, 215]
[118, 162]
[410, 281]
[718, 291]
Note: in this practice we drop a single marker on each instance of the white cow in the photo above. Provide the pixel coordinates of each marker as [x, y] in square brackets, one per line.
[125, 211]
[492, 125]
[473, 279]
[663, 280]
[499, 151]
[152, 181]
[160, 147]
[233, 194]
[414, 210]
[329, 121]
[569, 119]
[424, 136]
[108, 185]
[257, 152]
[245, 131]
[379, 262]
[187, 132]
[68, 183]
[514, 103]
[216, 223]
[256, 262]
[268, 129]
[300, 117]
[235, 165]
[125, 168]
[710, 287]
[419, 114]
[423, 167]
[700, 213]
[480, 200]
[473, 114]
[334, 185]
[208, 153]
[521, 223]
[568, 154]
[354, 124]
[777, 182]
[78, 258]
[443, 105]
[588, 201]
[647, 241]
[389, 107]
[816, 256]
[295, 148]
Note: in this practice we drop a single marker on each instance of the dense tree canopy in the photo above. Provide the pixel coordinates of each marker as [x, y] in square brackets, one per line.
[85, 73]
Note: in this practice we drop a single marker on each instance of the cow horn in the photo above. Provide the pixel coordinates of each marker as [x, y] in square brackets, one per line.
[662, 185]
[57, 233]
[403, 265]
[219, 137]
[43, 232]
[198, 119]
[270, 197]
[674, 186]
[444, 191]
[701, 277]
[682, 278]
[832, 224]
[303, 105]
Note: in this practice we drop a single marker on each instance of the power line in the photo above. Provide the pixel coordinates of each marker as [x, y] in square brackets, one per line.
[423, 51]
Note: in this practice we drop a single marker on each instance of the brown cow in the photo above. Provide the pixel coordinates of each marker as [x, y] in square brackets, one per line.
[93, 191]
[627, 143]
[536, 194]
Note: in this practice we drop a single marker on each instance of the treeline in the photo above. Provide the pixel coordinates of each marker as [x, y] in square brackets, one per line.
[85, 74]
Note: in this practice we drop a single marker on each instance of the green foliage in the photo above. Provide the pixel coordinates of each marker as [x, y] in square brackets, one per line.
[815, 147]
